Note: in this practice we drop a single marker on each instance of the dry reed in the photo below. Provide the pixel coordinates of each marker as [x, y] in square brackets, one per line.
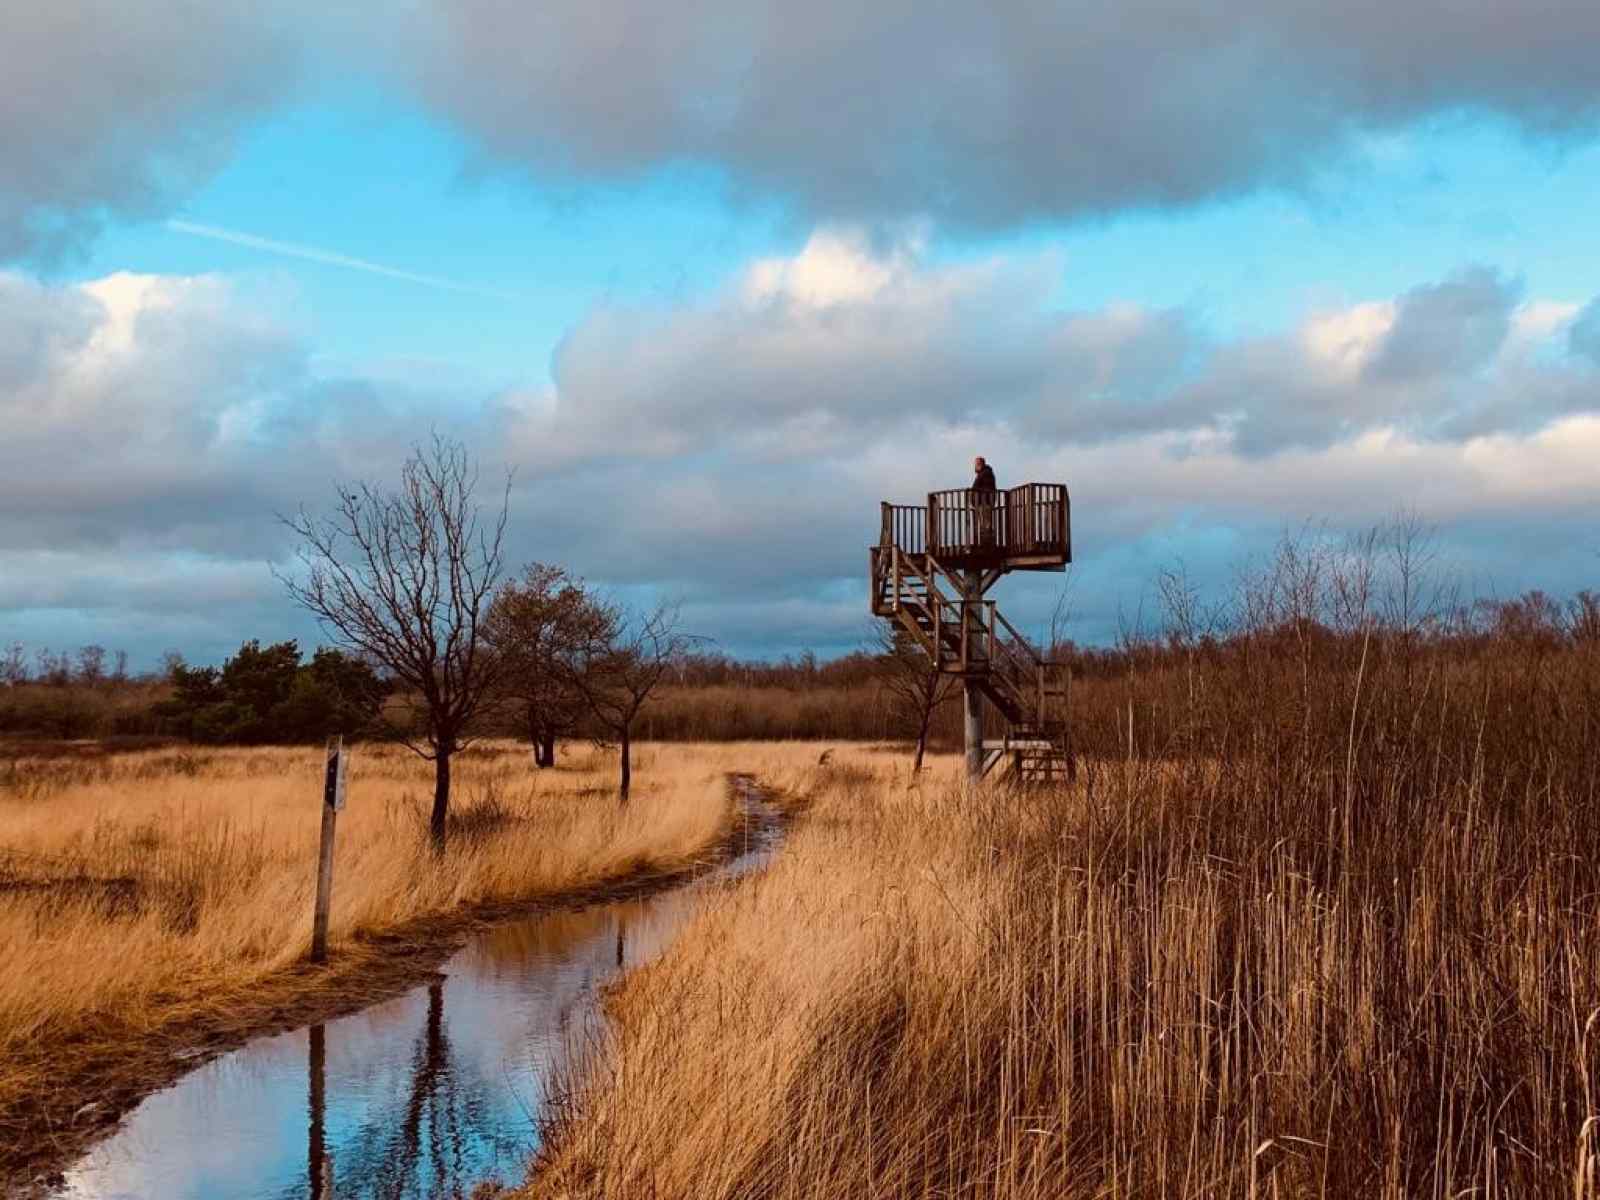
[1338, 938]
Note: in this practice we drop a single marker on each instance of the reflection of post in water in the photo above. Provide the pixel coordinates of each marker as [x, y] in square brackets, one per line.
[319, 1163]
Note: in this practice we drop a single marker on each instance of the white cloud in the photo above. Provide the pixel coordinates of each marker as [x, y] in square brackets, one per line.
[1345, 341]
[732, 450]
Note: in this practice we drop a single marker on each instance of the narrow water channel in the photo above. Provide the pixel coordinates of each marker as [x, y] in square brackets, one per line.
[425, 1095]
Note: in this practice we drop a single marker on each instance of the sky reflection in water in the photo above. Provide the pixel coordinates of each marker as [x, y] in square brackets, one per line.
[425, 1095]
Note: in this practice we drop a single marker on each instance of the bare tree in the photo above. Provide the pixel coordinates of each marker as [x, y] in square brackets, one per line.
[1352, 576]
[91, 665]
[1416, 592]
[1583, 618]
[404, 580]
[52, 668]
[535, 625]
[916, 687]
[14, 665]
[1190, 623]
[618, 665]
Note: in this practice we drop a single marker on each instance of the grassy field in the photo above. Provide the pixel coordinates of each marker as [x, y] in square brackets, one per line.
[1341, 939]
[156, 898]
[1320, 918]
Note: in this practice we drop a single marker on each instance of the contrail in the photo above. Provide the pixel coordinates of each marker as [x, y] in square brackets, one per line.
[330, 257]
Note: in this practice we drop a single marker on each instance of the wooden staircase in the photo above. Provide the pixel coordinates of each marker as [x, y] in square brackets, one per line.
[970, 638]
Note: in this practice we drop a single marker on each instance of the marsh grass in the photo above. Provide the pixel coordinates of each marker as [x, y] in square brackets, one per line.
[1334, 933]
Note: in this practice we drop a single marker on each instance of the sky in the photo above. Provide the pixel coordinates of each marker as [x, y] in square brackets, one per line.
[713, 280]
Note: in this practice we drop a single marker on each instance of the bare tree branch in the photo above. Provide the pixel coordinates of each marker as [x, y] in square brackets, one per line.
[405, 580]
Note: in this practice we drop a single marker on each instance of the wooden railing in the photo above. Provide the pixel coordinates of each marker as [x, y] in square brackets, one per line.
[906, 526]
[1032, 519]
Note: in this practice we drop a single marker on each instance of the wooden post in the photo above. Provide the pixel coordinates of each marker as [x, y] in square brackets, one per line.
[971, 694]
[931, 544]
[332, 802]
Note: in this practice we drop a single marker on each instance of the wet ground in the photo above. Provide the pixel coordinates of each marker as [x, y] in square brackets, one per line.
[425, 1095]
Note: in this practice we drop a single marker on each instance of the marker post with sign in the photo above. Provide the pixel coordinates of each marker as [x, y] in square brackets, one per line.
[332, 802]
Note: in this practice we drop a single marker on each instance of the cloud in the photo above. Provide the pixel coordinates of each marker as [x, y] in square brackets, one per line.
[1584, 335]
[1453, 327]
[800, 357]
[119, 111]
[732, 450]
[973, 115]
[988, 116]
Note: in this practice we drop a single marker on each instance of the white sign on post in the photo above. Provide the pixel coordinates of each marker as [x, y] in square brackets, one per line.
[333, 787]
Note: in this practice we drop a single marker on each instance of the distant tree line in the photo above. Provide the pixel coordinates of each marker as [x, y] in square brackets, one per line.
[267, 695]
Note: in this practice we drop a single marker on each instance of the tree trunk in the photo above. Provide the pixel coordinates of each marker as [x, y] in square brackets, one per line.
[922, 739]
[534, 738]
[547, 748]
[441, 798]
[627, 765]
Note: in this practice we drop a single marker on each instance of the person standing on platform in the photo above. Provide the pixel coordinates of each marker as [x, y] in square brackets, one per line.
[984, 495]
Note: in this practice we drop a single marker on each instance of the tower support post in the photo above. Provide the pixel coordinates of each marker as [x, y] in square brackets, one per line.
[974, 729]
[971, 693]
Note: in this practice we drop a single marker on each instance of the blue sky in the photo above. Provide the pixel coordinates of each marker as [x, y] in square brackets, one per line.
[694, 278]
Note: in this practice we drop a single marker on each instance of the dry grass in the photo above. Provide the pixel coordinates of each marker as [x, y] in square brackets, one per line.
[1232, 975]
[142, 890]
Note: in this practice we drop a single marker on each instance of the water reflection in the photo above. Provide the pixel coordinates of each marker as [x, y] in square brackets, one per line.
[319, 1167]
[425, 1095]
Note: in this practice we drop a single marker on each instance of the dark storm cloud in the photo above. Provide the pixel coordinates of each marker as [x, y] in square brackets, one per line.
[111, 109]
[978, 115]
[990, 115]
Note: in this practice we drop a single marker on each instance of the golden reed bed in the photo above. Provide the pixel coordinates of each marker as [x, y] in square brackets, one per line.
[1173, 981]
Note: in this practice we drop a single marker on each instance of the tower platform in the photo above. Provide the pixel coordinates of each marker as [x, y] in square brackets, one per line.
[929, 572]
[1028, 527]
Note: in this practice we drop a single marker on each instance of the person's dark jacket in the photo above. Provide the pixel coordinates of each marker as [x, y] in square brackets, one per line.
[984, 481]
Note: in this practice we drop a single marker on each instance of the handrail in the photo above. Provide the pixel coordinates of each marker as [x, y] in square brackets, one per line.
[1030, 519]
[1022, 641]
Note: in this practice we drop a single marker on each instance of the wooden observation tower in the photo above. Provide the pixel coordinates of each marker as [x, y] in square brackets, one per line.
[931, 569]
